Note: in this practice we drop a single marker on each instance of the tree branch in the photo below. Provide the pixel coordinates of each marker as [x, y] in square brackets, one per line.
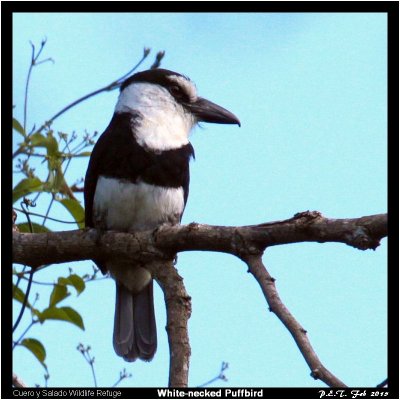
[267, 283]
[179, 308]
[157, 248]
[163, 243]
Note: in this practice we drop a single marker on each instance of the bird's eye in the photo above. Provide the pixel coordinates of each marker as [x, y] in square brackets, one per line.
[175, 91]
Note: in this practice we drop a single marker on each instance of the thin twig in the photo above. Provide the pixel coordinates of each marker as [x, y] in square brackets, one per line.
[49, 218]
[25, 302]
[48, 210]
[33, 322]
[34, 62]
[111, 86]
[19, 277]
[160, 55]
[122, 375]
[90, 360]
[46, 378]
[27, 88]
[267, 283]
[28, 203]
[220, 376]
[86, 280]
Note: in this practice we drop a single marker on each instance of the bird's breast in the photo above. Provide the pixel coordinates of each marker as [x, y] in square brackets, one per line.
[125, 206]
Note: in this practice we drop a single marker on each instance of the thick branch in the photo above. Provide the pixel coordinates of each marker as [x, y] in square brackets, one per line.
[57, 247]
[179, 308]
[267, 283]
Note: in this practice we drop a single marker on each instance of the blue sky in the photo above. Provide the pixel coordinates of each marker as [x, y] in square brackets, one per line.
[310, 91]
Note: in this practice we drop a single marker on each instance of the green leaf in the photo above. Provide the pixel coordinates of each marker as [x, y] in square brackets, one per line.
[73, 280]
[18, 294]
[67, 314]
[26, 186]
[58, 294]
[54, 162]
[52, 146]
[38, 140]
[25, 228]
[18, 127]
[49, 142]
[76, 210]
[59, 182]
[36, 348]
[78, 283]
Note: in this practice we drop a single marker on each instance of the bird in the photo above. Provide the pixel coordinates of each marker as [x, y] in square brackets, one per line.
[137, 180]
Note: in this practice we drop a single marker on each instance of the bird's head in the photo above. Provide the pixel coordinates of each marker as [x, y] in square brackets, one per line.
[168, 107]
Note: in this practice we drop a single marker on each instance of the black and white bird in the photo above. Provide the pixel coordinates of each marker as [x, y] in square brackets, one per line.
[138, 179]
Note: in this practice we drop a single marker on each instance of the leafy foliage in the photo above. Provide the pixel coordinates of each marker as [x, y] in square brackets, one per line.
[54, 151]
[67, 314]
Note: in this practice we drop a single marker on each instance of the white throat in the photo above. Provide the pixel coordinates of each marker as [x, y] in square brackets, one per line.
[164, 124]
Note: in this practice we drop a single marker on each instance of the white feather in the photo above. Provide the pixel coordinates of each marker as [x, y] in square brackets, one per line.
[164, 125]
[124, 206]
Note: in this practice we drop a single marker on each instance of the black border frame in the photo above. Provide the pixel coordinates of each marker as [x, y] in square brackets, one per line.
[391, 8]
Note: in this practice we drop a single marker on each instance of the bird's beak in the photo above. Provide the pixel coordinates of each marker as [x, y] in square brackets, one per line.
[207, 111]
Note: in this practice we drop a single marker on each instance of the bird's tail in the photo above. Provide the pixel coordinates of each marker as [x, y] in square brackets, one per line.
[135, 334]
